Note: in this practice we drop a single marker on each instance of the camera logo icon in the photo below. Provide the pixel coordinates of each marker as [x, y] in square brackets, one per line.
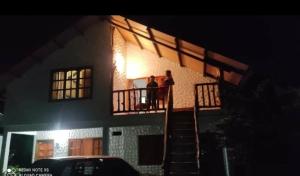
[11, 172]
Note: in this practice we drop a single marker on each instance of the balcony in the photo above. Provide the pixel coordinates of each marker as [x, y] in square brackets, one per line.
[134, 101]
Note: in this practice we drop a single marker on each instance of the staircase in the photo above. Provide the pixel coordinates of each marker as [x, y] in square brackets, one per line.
[182, 150]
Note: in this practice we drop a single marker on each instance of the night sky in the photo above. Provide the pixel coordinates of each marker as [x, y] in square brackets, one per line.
[269, 44]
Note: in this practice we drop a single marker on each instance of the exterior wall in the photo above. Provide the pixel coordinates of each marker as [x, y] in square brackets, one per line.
[126, 146]
[143, 63]
[61, 138]
[27, 97]
[119, 55]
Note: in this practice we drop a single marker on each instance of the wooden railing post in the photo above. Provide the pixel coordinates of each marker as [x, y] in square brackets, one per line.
[196, 126]
[166, 131]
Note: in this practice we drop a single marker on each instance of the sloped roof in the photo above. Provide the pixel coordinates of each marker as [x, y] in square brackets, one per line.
[186, 54]
[177, 50]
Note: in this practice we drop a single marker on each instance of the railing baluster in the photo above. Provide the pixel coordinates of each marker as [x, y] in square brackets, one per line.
[134, 100]
[208, 93]
[140, 99]
[124, 104]
[203, 95]
[118, 101]
[164, 97]
[129, 101]
[213, 94]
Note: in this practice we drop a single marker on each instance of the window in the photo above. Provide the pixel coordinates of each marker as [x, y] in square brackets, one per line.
[44, 149]
[71, 84]
[149, 155]
[85, 147]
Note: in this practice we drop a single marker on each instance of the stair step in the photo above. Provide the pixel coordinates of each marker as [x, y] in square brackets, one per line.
[177, 147]
[179, 132]
[184, 153]
[183, 113]
[181, 149]
[181, 118]
[183, 167]
[182, 144]
[182, 125]
[183, 157]
[183, 139]
[184, 173]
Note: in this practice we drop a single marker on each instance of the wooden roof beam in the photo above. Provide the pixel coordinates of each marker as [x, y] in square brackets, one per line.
[209, 61]
[154, 44]
[134, 34]
[178, 52]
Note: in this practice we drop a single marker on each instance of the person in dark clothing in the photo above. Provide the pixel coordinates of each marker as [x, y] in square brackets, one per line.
[169, 81]
[152, 93]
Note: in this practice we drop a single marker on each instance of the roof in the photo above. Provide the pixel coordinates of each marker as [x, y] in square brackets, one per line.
[85, 157]
[186, 54]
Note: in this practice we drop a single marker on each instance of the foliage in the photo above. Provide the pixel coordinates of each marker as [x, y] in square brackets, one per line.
[256, 122]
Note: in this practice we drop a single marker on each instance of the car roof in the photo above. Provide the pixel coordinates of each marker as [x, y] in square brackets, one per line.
[85, 157]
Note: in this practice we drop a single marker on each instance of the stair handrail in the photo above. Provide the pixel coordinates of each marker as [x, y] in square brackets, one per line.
[196, 126]
[169, 109]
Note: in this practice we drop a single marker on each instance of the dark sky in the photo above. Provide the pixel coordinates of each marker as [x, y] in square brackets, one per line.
[269, 44]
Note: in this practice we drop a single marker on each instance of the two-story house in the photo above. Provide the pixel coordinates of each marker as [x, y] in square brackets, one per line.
[84, 93]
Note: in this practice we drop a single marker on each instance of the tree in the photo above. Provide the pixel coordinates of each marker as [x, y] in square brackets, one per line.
[256, 123]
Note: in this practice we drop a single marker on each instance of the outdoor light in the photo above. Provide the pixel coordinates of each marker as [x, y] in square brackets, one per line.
[135, 68]
[60, 136]
[132, 70]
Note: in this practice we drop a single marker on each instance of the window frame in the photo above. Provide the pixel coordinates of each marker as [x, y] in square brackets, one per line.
[81, 140]
[65, 70]
[37, 149]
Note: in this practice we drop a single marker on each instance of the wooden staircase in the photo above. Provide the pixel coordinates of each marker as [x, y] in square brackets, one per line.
[181, 140]
[182, 150]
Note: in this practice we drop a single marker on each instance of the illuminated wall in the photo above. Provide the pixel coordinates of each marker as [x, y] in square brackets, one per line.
[143, 63]
[61, 138]
[126, 146]
[119, 60]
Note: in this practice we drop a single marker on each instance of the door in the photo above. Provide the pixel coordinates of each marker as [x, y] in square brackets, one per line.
[20, 150]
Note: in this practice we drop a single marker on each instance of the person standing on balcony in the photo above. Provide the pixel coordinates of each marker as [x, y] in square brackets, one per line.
[169, 81]
[152, 92]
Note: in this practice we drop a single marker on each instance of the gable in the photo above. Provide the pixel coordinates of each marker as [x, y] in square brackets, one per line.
[177, 50]
[184, 53]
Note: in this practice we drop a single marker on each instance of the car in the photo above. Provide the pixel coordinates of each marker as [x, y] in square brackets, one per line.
[83, 166]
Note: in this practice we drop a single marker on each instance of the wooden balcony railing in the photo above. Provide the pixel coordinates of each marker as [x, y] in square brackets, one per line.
[135, 100]
[196, 128]
[208, 96]
[167, 131]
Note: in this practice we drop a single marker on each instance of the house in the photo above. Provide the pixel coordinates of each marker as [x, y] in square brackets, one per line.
[83, 93]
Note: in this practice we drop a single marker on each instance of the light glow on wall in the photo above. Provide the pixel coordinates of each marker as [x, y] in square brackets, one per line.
[119, 62]
[135, 68]
[60, 136]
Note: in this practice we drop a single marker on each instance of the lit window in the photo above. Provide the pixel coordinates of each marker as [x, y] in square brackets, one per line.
[71, 84]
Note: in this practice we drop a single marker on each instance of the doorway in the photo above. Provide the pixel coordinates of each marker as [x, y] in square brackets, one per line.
[20, 150]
